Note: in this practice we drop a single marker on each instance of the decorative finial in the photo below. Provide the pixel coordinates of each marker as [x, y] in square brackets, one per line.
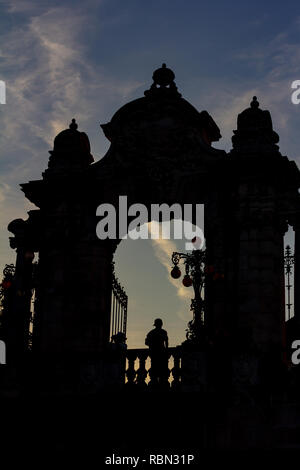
[163, 83]
[254, 103]
[73, 126]
[163, 76]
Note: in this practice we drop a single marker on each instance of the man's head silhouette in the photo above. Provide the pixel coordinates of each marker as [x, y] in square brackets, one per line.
[158, 323]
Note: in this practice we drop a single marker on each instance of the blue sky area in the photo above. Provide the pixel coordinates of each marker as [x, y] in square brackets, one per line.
[65, 59]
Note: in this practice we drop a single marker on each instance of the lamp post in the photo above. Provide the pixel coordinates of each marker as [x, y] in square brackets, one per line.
[194, 276]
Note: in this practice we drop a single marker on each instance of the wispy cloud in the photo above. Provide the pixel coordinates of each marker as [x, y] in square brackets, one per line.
[20, 6]
[49, 80]
[163, 250]
[53, 79]
[272, 68]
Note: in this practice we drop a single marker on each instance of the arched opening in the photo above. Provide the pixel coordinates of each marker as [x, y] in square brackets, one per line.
[143, 267]
[151, 290]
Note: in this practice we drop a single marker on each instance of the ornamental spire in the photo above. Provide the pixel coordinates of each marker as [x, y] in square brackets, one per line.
[73, 126]
[163, 83]
[254, 103]
[255, 134]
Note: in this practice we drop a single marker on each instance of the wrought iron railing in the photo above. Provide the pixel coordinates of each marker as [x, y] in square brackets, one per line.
[289, 260]
[5, 293]
[119, 304]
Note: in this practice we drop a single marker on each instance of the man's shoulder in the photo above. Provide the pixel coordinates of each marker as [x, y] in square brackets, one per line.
[151, 332]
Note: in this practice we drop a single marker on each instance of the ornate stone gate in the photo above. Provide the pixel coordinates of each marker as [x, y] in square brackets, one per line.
[160, 152]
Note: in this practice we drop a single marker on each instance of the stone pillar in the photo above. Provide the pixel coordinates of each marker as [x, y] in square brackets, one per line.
[259, 177]
[215, 302]
[72, 315]
[260, 287]
[19, 311]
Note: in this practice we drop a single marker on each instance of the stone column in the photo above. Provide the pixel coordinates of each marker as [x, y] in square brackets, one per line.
[214, 291]
[73, 313]
[19, 314]
[220, 288]
[260, 288]
[73, 295]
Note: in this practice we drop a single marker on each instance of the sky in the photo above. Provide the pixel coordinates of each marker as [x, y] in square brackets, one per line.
[65, 59]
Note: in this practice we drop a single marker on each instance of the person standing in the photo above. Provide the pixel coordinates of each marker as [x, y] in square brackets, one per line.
[158, 343]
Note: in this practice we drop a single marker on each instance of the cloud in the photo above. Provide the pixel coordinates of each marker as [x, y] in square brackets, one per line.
[4, 188]
[163, 250]
[271, 66]
[53, 80]
[20, 6]
[49, 80]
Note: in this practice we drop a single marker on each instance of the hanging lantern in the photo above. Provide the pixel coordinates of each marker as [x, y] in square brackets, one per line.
[175, 273]
[6, 284]
[198, 242]
[209, 269]
[29, 255]
[218, 276]
[187, 281]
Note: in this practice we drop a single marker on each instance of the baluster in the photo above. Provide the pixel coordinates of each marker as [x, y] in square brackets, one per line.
[176, 371]
[131, 373]
[166, 383]
[142, 372]
[125, 316]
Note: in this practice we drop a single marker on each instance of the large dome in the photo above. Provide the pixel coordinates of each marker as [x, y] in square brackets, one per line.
[163, 107]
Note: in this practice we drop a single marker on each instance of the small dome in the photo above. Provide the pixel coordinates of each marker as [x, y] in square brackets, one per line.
[71, 150]
[255, 130]
[254, 117]
[71, 140]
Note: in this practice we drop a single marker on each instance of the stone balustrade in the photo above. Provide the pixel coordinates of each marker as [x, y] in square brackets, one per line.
[138, 368]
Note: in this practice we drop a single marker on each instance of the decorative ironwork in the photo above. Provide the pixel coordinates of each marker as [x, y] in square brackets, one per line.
[289, 260]
[119, 304]
[6, 297]
[194, 276]
[33, 304]
[7, 282]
